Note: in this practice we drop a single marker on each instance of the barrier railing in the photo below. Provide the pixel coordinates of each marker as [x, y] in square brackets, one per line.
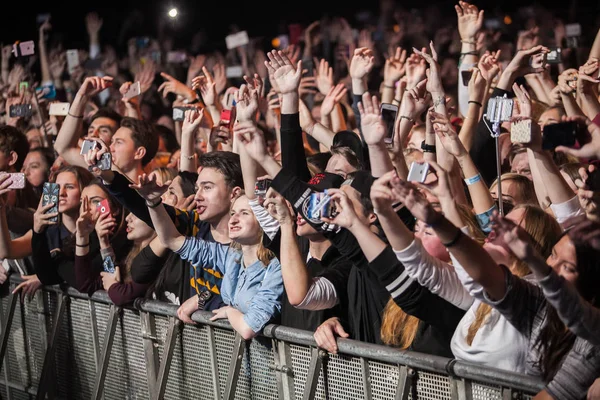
[66, 345]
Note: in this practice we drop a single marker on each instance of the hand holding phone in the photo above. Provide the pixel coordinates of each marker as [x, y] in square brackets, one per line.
[389, 112]
[50, 194]
[561, 134]
[134, 90]
[104, 207]
[418, 172]
[17, 178]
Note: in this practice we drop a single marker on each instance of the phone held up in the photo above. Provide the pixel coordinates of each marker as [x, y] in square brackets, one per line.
[105, 162]
[418, 172]
[50, 194]
[17, 178]
[389, 112]
[563, 134]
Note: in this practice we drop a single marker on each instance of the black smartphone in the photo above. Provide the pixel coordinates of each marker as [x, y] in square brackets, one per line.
[554, 56]
[593, 180]
[561, 134]
[388, 115]
[20, 110]
[261, 187]
[466, 76]
[50, 194]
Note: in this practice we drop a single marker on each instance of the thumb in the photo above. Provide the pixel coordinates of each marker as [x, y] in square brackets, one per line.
[117, 274]
[299, 68]
[579, 153]
[339, 329]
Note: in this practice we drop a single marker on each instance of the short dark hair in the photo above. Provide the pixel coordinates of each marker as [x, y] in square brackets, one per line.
[12, 139]
[168, 137]
[227, 163]
[144, 135]
[46, 153]
[84, 177]
[106, 112]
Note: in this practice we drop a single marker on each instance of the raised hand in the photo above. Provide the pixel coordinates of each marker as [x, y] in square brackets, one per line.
[308, 86]
[524, 101]
[477, 86]
[253, 140]
[490, 66]
[382, 193]
[255, 85]
[41, 219]
[441, 187]
[415, 202]
[333, 97]
[470, 20]
[515, 237]
[590, 150]
[196, 65]
[284, 73]
[92, 157]
[588, 198]
[345, 215]
[585, 83]
[520, 64]
[246, 104]
[395, 67]
[58, 62]
[434, 79]
[448, 137]
[567, 81]
[145, 75]
[191, 122]
[92, 85]
[86, 222]
[324, 77]
[149, 188]
[105, 226]
[278, 207]
[415, 101]
[93, 23]
[220, 77]
[371, 122]
[172, 85]
[362, 63]
[528, 39]
[207, 86]
[292, 52]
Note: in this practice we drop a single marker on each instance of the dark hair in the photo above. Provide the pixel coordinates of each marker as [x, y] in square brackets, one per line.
[47, 154]
[168, 137]
[227, 163]
[144, 135]
[84, 177]
[106, 112]
[349, 155]
[319, 161]
[12, 139]
[188, 182]
[555, 340]
[365, 199]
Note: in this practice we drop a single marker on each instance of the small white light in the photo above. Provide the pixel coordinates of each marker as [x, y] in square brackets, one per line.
[173, 12]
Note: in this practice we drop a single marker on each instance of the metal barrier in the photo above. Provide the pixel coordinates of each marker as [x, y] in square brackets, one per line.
[66, 345]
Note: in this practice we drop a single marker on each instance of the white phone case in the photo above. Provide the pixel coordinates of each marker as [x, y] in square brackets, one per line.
[418, 172]
[134, 90]
[236, 40]
[72, 60]
[61, 109]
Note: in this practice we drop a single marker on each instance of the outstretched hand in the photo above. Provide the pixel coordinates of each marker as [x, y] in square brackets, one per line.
[515, 237]
[149, 188]
[371, 122]
[284, 73]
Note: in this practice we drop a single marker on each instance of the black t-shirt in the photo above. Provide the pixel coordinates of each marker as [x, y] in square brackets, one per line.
[336, 268]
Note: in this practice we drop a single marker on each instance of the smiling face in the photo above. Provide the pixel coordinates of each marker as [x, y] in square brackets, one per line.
[35, 168]
[213, 196]
[137, 230]
[243, 226]
[70, 194]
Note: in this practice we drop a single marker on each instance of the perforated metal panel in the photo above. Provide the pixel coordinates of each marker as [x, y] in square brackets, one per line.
[384, 380]
[485, 392]
[432, 386]
[262, 377]
[344, 377]
[301, 364]
[224, 344]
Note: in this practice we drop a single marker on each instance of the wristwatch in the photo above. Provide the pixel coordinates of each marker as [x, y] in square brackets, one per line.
[203, 298]
[427, 148]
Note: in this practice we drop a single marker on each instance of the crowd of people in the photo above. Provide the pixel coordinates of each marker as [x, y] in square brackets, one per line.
[354, 181]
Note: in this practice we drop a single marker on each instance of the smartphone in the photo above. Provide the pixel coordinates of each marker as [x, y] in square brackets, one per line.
[105, 162]
[72, 60]
[23, 86]
[418, 172]
[176, 57]
[500, 109]
[261, 187]
[108, 264]
[228, 118]
[134, 90]
[234, 71]
[554, 56]
[466, 76]
[104, 207]
[93, 64]
[179, 112]
[60, 109]
[320, 206]
[50, 194]
[23, 49]
[520, 131]
[48, 91]
[87, 146]
[18, 180]
[561, 134]
[235, 40]
[593, 180]
[572, 30]
[388, 115]
[20, 110]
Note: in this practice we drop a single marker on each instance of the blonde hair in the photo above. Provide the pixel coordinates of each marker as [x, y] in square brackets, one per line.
[398, 329]
[263, 254]
[468, 217]
[544, 232]
[524, 187]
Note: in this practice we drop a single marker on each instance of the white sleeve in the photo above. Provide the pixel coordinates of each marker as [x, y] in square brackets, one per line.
[266, 221]
[94, 51]
[437, 276]
[563, 212]
[320, 296]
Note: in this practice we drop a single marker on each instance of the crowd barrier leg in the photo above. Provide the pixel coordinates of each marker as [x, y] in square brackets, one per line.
[165, 365]
[95, 337]
[312, 378]
[6, 324]
[150, 339]
[109, 337]
[48, 367]
[212, 354]
[366, 375]
[283, 370]
[237, 355]
[404, 382]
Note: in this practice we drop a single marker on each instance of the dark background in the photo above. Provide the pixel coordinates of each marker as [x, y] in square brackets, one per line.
[260, 18]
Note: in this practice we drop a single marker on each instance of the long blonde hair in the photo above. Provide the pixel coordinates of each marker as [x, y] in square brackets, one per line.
[398, 329]
[544, 232]
[263, 254]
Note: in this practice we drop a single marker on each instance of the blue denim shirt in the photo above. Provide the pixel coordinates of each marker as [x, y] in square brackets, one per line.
[254, 290]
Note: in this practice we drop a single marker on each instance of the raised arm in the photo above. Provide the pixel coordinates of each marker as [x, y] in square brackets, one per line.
[207, 86]
[68, 136]
[374, 131]
[247, 105]
[393, 70]
[18, 248]
[188, 157]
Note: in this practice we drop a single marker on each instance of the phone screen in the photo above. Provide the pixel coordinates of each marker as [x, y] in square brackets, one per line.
[388, 115]
[561, 134]
[466, 76]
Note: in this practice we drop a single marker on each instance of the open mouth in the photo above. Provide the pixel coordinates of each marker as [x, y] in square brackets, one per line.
[235, 229]
[200, 209]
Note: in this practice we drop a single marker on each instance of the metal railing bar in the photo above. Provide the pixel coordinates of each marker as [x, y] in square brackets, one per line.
[7, 324]
[165, 365]
[109, 338]
[403, 387]
[495, 376]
